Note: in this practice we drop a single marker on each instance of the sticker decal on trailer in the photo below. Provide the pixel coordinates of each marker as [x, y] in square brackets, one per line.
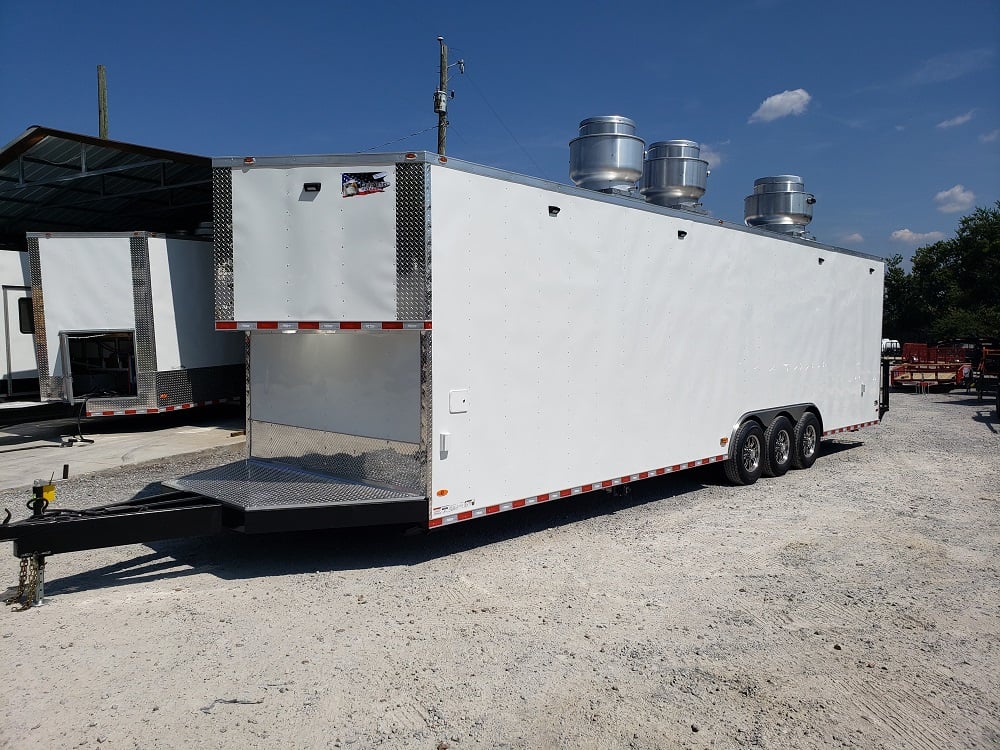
[363, 183]
[451, 508]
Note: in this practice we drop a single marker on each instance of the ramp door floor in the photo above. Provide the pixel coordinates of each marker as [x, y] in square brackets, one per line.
[255, 485]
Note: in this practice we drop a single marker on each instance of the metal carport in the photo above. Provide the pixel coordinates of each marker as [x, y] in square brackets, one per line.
[56, 181]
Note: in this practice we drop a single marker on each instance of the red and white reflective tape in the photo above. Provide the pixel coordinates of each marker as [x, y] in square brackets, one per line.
[157, 410]
[322, 325]
[850, 428]
[555, 495]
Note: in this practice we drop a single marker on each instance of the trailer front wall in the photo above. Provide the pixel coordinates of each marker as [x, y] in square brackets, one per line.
[608, 340]
[310, 244]
[86, 285]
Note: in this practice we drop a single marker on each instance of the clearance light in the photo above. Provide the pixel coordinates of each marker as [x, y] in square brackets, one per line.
[163, 396]
[441, 493]
[723, 442]
[411, 155]
[248, 160]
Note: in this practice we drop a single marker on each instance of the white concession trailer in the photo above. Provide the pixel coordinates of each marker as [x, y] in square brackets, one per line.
[124, 323]
[429, 340]
[18, 372]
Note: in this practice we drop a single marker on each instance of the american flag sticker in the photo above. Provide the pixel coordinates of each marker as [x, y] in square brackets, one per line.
[363, 183]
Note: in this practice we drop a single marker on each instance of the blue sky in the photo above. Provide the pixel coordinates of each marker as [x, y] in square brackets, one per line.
[890, 111]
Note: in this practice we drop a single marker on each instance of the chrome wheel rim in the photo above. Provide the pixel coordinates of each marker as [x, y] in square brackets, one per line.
[751, 453]
[782, 447]
[809, 441]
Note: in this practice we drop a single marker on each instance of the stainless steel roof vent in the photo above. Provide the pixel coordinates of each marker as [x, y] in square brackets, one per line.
[674, 175]
[607, 155]
[779, 204]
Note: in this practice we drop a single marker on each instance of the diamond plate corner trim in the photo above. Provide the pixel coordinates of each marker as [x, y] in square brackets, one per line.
[426, 457]
[412, 248]
[46, 386]
[246, 400]
[222, 243]
[142, 298]
[376, 460]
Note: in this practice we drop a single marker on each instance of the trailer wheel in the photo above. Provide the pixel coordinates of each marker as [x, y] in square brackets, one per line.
[778, 443]
[746, 462]
[806, 447]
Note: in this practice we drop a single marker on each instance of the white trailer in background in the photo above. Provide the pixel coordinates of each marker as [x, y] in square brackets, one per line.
[18, 372]
[430, 340]
[124, 323]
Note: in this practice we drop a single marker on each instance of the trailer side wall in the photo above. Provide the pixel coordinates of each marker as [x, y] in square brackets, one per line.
[598, 342]
[181, 281]
[17, 349]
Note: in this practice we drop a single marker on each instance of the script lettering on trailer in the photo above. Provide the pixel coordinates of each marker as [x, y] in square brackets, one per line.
[363, 183]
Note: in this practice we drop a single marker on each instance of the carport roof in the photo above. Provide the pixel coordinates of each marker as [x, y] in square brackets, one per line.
[55, 181]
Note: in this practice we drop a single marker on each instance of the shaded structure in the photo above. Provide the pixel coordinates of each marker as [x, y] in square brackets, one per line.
[56, 181]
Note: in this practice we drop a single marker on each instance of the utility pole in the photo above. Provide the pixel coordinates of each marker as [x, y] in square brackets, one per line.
[102, 102]
[442, 95]
[441, 98]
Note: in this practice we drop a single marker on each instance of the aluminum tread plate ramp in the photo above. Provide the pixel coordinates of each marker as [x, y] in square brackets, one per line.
[253, 485]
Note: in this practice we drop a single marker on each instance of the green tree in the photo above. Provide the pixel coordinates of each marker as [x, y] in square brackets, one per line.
[953, 290]
[903, 316]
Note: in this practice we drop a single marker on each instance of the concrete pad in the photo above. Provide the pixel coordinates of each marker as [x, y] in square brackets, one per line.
[41, 450]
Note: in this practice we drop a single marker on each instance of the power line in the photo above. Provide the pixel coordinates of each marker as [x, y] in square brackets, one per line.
[541, 172]
[411, 135]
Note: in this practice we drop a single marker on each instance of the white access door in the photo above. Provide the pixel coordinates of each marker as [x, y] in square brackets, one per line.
[18, 348]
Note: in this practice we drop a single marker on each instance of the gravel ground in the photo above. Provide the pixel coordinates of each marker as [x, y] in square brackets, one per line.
[851, 605]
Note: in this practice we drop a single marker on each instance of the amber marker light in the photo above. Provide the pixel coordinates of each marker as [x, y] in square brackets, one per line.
[441, 493]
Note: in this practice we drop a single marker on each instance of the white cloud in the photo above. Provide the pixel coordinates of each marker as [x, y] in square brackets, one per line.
[914, 238]
[949, 67]
[959, 120]
[990, 137]
[853, 239]
[900, 128]
[710, 154]
[955, 199]
[781, 105]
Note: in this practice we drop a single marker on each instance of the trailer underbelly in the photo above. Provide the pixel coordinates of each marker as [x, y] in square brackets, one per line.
[265, 496]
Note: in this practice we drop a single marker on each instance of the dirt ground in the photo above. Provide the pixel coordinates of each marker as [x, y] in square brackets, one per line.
[854, 604]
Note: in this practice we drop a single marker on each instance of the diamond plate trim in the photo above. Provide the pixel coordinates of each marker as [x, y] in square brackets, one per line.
[145, 386]
[426, 454]
[142, 297]
[246, 402]
[222, 242]
[412, 245]
[387, 462]
[199, 384]
[47, 388]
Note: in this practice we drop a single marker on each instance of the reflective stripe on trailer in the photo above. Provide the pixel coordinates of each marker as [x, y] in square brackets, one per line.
[158, 410]
[850, 428]
[556, 494]
[322, 325]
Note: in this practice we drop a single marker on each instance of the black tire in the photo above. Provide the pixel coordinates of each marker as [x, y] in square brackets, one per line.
[778, 441]
[746, 461]
[807, 437]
